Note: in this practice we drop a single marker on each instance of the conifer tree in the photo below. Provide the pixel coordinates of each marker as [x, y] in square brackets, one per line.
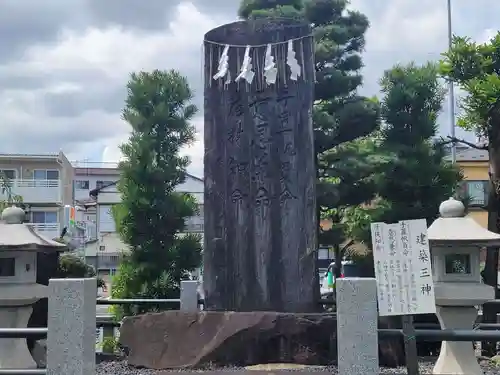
[340, 114]
[151, 216]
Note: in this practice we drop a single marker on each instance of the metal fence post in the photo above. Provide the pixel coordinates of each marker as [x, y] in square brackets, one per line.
[189, 295]
[357, 323]
[71, 327]
[108, 332]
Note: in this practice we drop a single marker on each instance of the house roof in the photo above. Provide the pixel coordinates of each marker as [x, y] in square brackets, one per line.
[30, 155]
[194, 177]
[472, 154]
[79, 171]
[42, 156]
[95, 192]
[24, 237]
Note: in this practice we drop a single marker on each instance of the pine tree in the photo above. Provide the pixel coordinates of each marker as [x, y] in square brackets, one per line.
[419, 177]
[474, 68]
[6, 190]
[340, 115]
[151, 216]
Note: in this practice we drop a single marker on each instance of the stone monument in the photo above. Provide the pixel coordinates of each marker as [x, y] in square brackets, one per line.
[455, 241]
[260, 176]
[19, 245]
[261, 288]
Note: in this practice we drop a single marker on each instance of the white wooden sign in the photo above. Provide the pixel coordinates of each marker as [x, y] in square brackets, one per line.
[403, 272]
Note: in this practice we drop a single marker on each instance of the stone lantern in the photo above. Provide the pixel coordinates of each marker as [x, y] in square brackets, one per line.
[455, 241]
[19, 245]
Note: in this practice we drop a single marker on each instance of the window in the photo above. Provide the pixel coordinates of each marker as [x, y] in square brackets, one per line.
[7, 267]
[102, 184]
[106, 222]
[82, 184]
[458, 264]
[323, 253]
[41, 217]
[9, 173]
[46, 174]
[477, 191]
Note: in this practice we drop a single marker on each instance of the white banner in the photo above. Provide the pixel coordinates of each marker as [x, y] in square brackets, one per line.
[403, 268]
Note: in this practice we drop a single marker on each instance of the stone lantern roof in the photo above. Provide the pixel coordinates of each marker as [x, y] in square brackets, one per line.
[15, 235]
[454, 228]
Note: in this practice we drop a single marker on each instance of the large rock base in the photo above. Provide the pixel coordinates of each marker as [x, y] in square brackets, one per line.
[174, 339]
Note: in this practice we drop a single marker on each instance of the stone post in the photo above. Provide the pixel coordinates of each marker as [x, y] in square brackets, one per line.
[108, 331]
[357, 327]
[71, 327]
[260, 175]
[457, 357]
[189, 295]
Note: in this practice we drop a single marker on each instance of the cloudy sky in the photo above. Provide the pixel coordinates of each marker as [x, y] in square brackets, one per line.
[64, 64]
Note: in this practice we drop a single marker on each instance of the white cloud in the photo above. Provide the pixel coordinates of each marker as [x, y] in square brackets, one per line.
[110, 55]
[487, 35]
[404, 27]
[116, 51]
[112, 153]
[84, 71]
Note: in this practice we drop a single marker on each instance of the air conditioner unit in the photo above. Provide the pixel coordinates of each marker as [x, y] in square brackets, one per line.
[102, 248]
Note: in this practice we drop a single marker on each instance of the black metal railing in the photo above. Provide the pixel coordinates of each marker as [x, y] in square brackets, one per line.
[443, 335]
[481, 326]
[423, 331]
[139, 301]
[23, 333]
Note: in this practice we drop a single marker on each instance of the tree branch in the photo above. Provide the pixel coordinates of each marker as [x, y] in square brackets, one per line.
[463, 141]
[346, 246]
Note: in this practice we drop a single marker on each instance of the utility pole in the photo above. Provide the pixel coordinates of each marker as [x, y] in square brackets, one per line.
[451, 89]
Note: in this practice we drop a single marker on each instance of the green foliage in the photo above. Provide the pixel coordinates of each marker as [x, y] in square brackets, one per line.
[270, 8]
[475, 67]
[118, 211]
[6, 188]
[151, 216]
[109, 345]
[342, 119]
[71, 266]
[418, 178]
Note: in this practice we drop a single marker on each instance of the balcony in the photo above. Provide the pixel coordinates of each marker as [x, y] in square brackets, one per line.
[194, 224]
[89, 230]
[48, 230]
[36, 191]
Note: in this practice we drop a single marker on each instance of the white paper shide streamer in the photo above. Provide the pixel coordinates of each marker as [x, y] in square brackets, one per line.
[270, 69]
[246, 72]
[223, 68]
[291, 61]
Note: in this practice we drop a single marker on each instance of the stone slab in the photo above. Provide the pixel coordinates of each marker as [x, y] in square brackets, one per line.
[71, 327]
[357, 336]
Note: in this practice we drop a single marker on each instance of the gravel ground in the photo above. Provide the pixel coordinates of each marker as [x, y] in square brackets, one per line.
[121, 368]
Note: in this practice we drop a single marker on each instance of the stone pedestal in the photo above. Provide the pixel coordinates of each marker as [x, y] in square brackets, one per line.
[457, 357]
[71, 324]
[14, 353]
[357, 337]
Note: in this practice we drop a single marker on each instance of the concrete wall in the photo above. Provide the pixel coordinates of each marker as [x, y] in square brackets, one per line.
[92, 175]
[476, 171]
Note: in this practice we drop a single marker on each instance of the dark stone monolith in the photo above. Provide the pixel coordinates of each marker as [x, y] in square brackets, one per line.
[260, 198]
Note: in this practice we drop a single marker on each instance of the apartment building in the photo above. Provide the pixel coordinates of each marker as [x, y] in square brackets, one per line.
[475, 167]
[95, 195]
[45, 183]
[94, 242]
[93, 176]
